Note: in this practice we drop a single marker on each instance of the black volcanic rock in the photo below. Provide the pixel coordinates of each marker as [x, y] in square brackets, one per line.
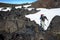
[15, 26]
[54, 29]
[55, 24]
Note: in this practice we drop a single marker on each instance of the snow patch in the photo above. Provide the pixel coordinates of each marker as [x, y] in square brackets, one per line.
[40, 8]
[30, 9]
[1, 8]
[49, 13]
[26, 5]
[7, 9]
[18, 7]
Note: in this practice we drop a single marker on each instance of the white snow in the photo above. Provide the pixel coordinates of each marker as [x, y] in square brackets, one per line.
[7, 9]
[26, 5]
[18, 7]
[49, 13]
[40, 8]
[1, 8]
[30, 9]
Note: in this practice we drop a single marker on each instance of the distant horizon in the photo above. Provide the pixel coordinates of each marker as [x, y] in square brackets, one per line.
[17, 1]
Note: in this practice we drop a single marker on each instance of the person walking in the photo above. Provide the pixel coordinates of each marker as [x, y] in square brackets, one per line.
[42, 22]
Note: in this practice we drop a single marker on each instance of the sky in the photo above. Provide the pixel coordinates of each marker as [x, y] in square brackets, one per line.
[17, 1]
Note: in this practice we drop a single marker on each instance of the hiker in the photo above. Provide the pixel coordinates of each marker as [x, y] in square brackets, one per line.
[42, 22]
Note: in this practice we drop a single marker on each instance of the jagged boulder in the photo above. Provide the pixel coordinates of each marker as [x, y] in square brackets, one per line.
[54, 29]
[55, 24]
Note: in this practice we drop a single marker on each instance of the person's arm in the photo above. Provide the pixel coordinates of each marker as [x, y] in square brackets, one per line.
[40, 17]
[46, 18]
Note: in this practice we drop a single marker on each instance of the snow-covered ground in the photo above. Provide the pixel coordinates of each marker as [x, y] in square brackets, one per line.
[30, 9]
[7, 9]
[49, 13]
[18, 7]
[1, 8]
[26, 5]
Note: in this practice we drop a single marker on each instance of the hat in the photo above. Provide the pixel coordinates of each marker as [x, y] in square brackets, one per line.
[42, 14]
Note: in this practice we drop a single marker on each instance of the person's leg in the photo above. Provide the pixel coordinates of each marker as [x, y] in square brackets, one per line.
[43, 23]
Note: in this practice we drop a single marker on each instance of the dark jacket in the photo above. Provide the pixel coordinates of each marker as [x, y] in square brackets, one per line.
[43, 18]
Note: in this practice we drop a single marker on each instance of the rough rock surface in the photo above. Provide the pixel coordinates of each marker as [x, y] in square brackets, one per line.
[15, 26]
[46, 4]
[54, 29]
